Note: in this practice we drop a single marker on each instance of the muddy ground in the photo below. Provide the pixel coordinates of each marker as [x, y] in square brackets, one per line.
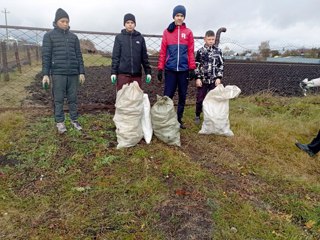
[251, 77]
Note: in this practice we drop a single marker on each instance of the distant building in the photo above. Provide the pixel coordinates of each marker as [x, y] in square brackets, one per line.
[294, 59]
[10, 40]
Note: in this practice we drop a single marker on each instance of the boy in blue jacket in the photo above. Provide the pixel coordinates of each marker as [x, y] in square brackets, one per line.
[176, 59]
[62, 59]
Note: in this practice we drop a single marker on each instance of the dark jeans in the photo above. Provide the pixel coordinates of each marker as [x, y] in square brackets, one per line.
[314, 146]
[127, 78]
[201, 94]
[65, 86]
[172, 81]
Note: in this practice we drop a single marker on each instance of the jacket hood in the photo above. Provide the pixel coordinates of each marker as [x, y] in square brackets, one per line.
[172, 26]
[134, 33]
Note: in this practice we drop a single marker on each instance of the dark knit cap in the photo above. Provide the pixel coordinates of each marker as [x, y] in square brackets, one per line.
[60, 13]
[128, 17]
[179, 9]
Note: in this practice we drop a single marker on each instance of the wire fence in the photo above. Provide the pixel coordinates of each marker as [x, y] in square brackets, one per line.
[20, 69]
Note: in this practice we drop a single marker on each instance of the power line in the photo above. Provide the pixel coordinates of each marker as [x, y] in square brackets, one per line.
[6, 21]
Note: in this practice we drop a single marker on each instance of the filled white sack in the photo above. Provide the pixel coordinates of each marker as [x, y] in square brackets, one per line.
[164, 121]
[128, 115]
[216, 110]
[146, 119]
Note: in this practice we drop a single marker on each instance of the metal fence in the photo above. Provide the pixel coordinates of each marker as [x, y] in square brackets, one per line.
[20, 69]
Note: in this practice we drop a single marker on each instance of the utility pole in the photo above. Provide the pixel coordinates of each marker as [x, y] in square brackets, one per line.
[5, 15]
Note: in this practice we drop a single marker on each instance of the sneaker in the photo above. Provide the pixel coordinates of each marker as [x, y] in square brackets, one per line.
[305, 148]
[304, 86]
[61, 127]
[182, 126]
[197, 120]
[76, 125]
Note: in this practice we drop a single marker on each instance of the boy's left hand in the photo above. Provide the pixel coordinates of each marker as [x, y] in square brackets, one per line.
[148, 78]
[81, 79]
[192, 74]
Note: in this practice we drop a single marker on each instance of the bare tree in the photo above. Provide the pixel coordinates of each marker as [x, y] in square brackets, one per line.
[264, 49]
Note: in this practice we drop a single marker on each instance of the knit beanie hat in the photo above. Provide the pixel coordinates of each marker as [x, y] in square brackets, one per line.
[60, 13]
[179, 9]
[128, 17]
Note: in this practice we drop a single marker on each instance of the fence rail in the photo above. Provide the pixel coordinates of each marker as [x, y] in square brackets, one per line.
[20, 59]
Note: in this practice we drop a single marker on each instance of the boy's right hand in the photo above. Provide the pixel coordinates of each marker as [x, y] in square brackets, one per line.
[198, 83]
[45, 82]
[113, 78]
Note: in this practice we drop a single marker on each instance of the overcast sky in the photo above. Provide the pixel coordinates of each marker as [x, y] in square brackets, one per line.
[249, 22]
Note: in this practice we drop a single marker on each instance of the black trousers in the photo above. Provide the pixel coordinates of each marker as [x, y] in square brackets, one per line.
[172, 81]
[314, 146]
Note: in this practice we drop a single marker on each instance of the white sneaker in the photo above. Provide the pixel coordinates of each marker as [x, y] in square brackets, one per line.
[61, 127]
[76, 125]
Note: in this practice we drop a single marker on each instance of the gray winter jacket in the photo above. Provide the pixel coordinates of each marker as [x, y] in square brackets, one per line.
[61, 53]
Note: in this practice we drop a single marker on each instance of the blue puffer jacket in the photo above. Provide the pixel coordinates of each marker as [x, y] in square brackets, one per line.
[61, 53]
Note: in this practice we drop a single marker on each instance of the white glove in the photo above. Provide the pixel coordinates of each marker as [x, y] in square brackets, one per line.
[82, 78]
[113, 78]
[45, 82]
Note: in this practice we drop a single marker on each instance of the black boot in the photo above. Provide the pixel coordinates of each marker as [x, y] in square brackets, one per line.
[182, 126]
[305, 148]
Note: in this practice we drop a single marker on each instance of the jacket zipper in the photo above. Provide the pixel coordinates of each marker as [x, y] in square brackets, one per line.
[131, 54]
[67, 48]
[178, 58]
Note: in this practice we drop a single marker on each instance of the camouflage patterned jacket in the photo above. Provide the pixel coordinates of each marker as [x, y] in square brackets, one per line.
[210, 63]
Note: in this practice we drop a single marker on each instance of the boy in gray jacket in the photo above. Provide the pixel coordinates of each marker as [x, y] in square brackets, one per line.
[62, 59]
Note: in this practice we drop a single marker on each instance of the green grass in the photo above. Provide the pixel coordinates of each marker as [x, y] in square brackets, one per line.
[91, 60]
[13, 92]
[255, 185]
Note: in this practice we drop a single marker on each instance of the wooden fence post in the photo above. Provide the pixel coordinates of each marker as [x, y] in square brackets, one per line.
[16, 53]
[5, 68]
[37, 53]
[0, 62]
[28, 54]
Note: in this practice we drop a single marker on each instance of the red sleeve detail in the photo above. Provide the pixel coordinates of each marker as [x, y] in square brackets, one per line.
[191, 60]
[163, 51]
